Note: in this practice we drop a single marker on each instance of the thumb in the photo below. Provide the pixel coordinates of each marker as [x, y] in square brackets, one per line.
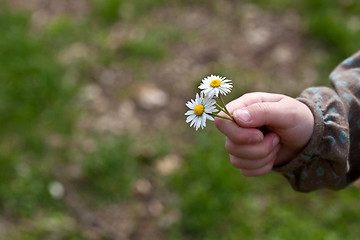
[274, 114]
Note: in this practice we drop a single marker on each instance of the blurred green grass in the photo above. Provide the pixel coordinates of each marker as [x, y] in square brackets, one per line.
[216, 202]
[38, 102]
[109, 171]
[34, 106]
[110, 11]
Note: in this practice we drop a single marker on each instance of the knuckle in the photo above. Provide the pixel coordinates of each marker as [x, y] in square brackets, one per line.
[252, 97]
[262, 107]
[247, 95]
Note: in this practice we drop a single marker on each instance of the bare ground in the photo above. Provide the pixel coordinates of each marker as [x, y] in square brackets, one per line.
[269, 47]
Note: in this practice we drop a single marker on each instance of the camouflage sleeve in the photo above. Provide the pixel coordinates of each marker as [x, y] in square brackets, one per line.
[331, 159]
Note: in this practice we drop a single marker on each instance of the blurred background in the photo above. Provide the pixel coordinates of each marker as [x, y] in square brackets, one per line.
[93, 139]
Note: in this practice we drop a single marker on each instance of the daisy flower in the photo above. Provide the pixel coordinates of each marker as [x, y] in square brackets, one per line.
[213, 85]
[201, 109]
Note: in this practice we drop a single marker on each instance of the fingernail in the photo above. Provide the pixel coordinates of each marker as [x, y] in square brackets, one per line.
[276, 141]
[255, 139]
[243, 115]
[277, 148]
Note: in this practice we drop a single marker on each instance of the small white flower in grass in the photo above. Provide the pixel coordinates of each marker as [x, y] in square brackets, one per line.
[201, 109]
[212, 85]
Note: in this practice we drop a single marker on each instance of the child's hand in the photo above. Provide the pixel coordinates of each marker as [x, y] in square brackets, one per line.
[289, 125]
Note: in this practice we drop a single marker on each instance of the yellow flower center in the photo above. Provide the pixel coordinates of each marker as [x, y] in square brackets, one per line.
[199, 109]
[215, 83]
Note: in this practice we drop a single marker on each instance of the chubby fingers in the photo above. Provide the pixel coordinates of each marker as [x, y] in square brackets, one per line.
[251, 164]
[237, 134]
[253, 151]
[252, 98]
[258, 171]
[254, 159]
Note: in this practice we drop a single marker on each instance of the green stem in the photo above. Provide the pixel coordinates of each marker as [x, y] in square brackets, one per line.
[215, 115]
[222, 102]
[226, 111]
[223, 109]
[220, 107]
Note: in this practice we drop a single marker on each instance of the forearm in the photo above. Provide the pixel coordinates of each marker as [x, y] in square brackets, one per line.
[330, 160]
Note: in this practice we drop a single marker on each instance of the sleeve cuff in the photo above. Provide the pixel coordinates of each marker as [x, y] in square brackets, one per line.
[309, 150]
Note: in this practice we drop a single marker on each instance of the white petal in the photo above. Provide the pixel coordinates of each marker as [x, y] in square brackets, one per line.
[190, 118]
[189, 112]
[198, 123]
[211, 93]
[210, 111]
[209, 117]
[209, 104]
[202, 86]
[193, 122]
[191, 104]
[203, 119]
[203, 125]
